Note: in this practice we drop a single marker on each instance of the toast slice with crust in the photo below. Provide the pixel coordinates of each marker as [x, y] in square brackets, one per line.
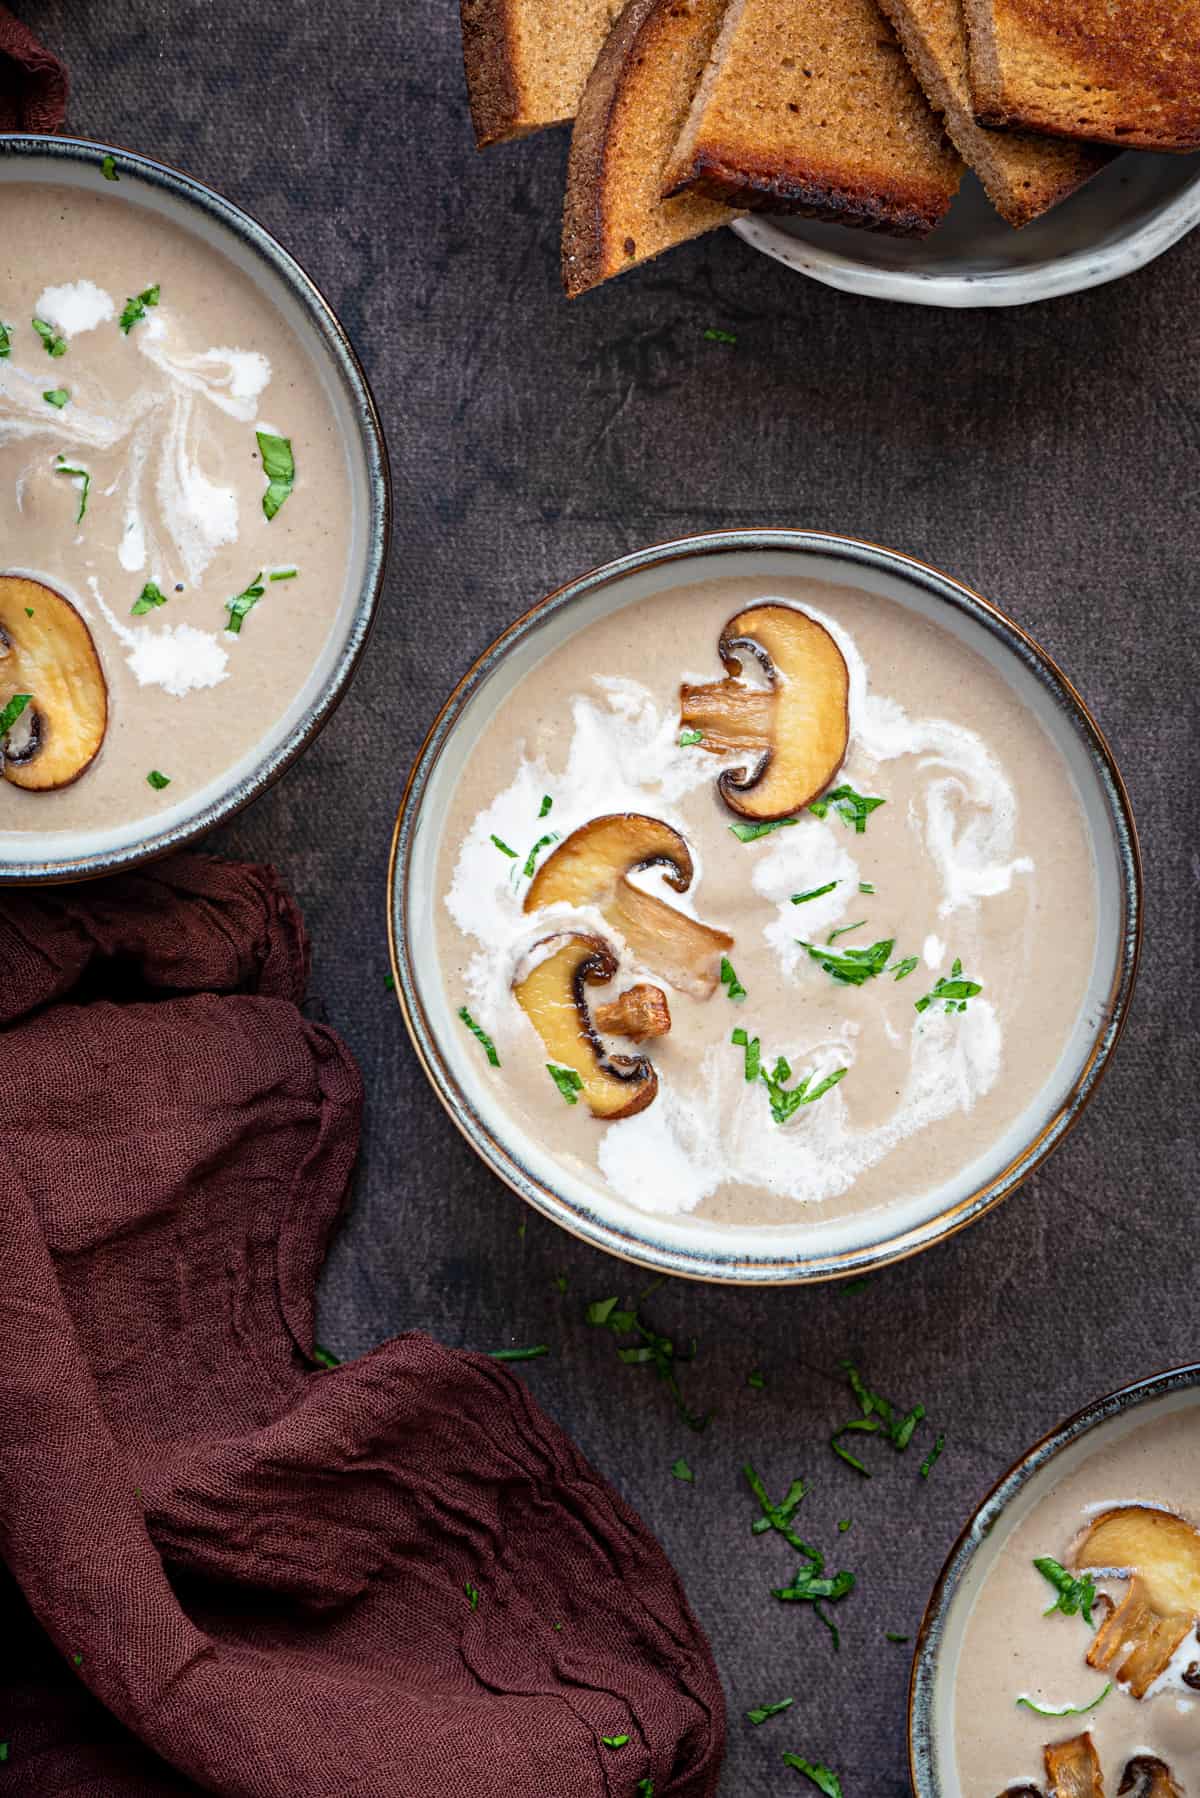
[527, 61]
[1023, 174]
[808, 106]
[632, 111]
[1126, 73]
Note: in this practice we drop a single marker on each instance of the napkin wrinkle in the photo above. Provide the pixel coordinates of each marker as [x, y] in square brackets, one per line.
[33, 83]
[268, 1568]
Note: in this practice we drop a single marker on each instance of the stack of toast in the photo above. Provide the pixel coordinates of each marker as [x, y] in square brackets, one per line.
[863, 112]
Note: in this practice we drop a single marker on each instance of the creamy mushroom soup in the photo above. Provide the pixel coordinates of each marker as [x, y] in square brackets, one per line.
[867, 910]
[1133, 1508]
[175, 512]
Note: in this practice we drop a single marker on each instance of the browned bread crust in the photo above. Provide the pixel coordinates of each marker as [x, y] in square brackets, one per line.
[633, 106]
[807, 106]
[526, 61]
[1023, 174]
[1125, 73]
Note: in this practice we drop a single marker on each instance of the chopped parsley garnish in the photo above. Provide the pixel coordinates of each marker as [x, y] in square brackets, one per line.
[614, 1741]
[481, 1035]
[134, 310]
[1075, 1596]
[3, 1751]
[561, 1282]
[753, 1050]
[158, 781]
[890, 1635]
[749, 833]
[324, 1357]
[389, 981]
[545, 806]
[12, 711]
[852, 967]
[1066, 1710]
[568, 1082]
[852, 808]
[902, 969]
[651, 1350]
[504, 849]
[645, 1788]
[813, 893]
[242, 603]
[777, 1516]
[279, 466]
[108, 168]
[55, 343]
[844, 1525]
[525, 1354]
[812, 1585]
[787, 1100]
[146, 601]
[930, 1461]
[57, 397]
[5, 343]
[822, 1777]
[729, 980]
[864, 886]
[285, 574]
[878, 1416]
[62, 466]
[713, 335]
[955, 991]
[472, 1593]
[531, 858]
[761, 1712]
[844, 931]
[756, 1379]
[689, 738]
[78, 1659]
[683, 1472]
[852, 1288]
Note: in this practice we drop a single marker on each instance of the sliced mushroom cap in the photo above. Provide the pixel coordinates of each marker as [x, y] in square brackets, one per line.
[638, 1012]
[1159, 1554]
[591, 866]
[46, 650]
[553, 997]
[797, 730]
[1145, 1776]
[1073, 1768]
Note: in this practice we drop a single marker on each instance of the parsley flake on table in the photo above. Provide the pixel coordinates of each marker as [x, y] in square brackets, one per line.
[878, 1416]
[955, 991]
[472, 1593]
[568, 1082]
[822, 1777]
[1075, 1597]
[279, 466]
[852, 808]
[756, 1379]
[930, 1461]
[891, 1635]
[713, 335]
[54, 342]
[777, 1516]
[520, 1354]
[242, 603]
[146, 601]
[134, 309]
[481, 1035]
[325, 1357]
[645, 1788]
[650, 1350]
[614, 1741]
[761, 1712]
[683, 1472]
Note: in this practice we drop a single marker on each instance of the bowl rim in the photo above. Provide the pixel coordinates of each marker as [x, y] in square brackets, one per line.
[734, 1267]
[1073, 272]
[923, 1678]
[81, 151]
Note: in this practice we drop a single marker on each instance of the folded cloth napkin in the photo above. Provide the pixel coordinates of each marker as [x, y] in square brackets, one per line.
[33, 83]
[231, 1570]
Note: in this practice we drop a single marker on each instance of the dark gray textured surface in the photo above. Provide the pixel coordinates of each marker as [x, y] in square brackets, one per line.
[1046, 455]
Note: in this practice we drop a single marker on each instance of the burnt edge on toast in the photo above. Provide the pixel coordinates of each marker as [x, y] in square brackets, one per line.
[492, 89]
[784, 188]
[583, 209]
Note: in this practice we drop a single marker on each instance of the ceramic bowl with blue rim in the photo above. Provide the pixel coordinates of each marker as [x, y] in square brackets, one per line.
[812, 1246]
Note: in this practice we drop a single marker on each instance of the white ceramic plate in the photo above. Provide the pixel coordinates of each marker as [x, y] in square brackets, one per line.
[1126, 216]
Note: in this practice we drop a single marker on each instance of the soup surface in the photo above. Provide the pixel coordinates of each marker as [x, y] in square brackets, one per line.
[154, 408]
[972, 867]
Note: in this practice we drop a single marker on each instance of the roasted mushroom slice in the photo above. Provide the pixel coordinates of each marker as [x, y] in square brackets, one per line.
[1159, 1554]
[1073, 1768]
[46, 652]
[638, 1012]
[796, 730]
[1145, 1776]
[553, 997]
[590, 867]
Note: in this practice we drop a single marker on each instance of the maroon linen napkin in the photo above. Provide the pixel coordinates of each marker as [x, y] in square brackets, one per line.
[33, 83]
[232, 1571]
